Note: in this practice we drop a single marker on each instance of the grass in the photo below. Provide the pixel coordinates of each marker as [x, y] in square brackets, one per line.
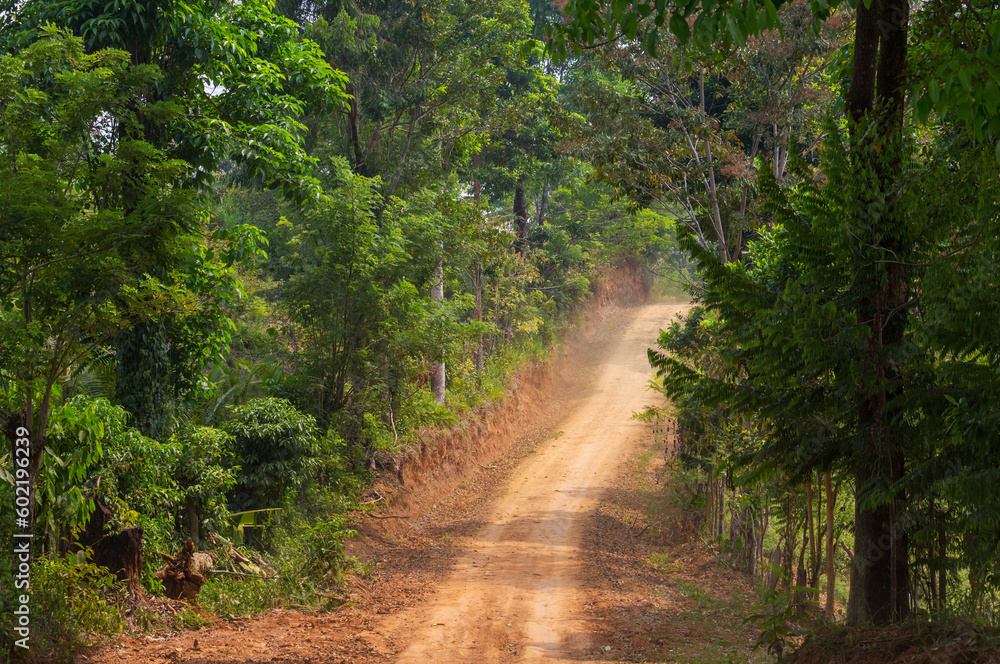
[667, 597]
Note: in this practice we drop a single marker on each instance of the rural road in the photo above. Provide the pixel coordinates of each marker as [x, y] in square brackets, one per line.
[516, 592]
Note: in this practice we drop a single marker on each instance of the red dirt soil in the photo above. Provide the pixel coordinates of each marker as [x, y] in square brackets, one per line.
[488, 564]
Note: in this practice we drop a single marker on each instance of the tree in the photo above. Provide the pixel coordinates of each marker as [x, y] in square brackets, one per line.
[682, 132]
[882, 296]
[422, 83]
[235, 80]
[72, 272]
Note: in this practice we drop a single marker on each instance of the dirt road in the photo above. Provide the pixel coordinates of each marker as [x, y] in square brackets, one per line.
[516, 592]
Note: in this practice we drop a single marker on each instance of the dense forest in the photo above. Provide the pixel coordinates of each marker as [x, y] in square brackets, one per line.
[249, 251]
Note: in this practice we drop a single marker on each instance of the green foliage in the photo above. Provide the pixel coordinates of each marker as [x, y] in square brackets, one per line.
[262, 77]
[73, 605]
[776, 617]
[74, 240]
[462, 59]
[79, 433]
[205, 472]
[277, 449]
[783, 348]
[140, 485]
[233, 386]
[106, 238]
[361, 298]
[307, 556]
[953, 65]
[142, 371]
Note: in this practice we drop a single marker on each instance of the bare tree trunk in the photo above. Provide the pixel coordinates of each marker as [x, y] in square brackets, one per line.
[817, 570]
[722, 507]
[477, 277]
[543, 204]
[437, 295]
[710, 505]
[810, 530]
[790, 539]
[931, 584]
[772, 575]
[831, 578]
[352, 125]
[942, 595]
[192, 520]
[799, 597]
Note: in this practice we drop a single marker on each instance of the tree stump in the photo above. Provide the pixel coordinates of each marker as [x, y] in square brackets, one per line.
[179, 579]
[120, 553]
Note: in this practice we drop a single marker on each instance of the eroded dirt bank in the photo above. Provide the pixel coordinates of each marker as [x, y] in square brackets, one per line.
[492, 572]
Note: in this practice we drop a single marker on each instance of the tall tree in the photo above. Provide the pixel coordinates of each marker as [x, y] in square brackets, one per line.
[236, 80]
[75, 238]
[881, 295]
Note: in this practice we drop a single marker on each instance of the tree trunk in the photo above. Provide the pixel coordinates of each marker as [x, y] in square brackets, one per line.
[722, 509]
[120, 553]
[709, 504]
[880, 571]
[477, 277]
[789, 549]
[543, 204]
[943, 569]
[520, 219]
[830, 569]
[817, 569]
[352, 125]
[811, 528]
[799, 596]
[437, 295]
[193, 520]
[772, 572]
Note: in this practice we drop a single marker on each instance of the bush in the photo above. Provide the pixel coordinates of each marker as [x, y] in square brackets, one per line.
[277, 447]
[307, 557]
[204, 475]
[139, 485]
[73, 605]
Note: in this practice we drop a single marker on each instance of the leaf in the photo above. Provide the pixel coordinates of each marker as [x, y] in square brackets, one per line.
[966, 78]
[735, 31]
[935, 91]
[630, 25]
[991, 96]
[923, 108]
[652, 40]
[772, 13]
[679, 26]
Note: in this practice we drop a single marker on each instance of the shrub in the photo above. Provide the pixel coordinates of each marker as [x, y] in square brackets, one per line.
[73, 605]
[277, 447]
[139, 484]
[204, 476]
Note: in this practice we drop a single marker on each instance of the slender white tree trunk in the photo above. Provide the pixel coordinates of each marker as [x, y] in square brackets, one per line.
[437, 295]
